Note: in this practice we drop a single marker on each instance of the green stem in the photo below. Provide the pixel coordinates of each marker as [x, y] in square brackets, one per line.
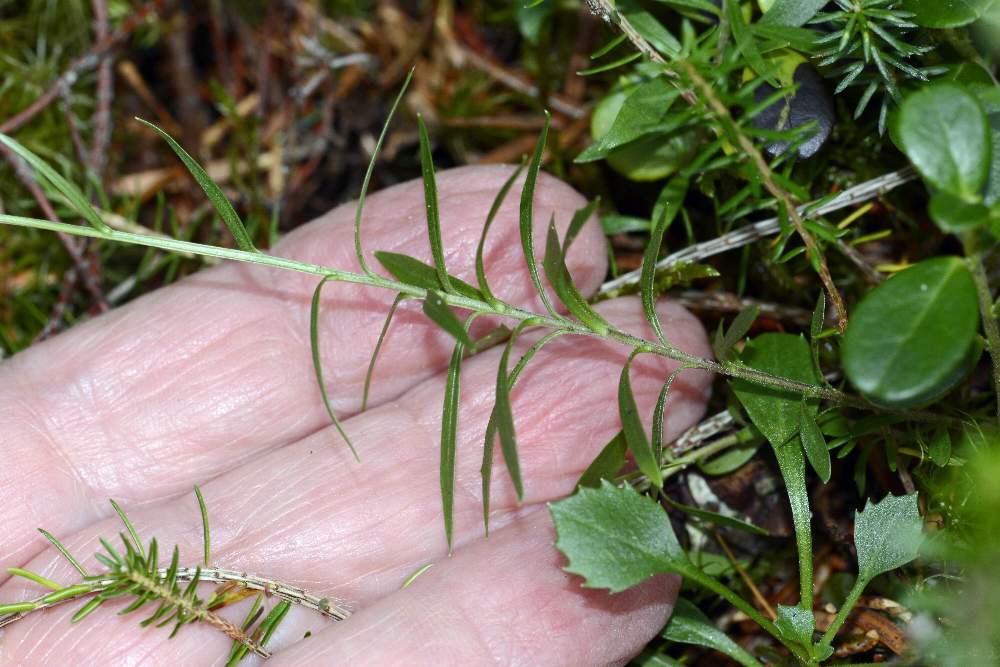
[729, 369]
[990, 328]
[730, 596]
[845, 610]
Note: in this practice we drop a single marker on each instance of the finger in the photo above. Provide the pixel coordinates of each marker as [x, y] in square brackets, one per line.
[198, 377]
[502, 601]
[305, 515]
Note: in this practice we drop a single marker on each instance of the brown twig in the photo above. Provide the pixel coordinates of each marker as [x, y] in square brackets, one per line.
[105, 93]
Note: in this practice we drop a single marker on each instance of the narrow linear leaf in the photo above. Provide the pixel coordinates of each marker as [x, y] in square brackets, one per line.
[206, 534]
[486, 470]
[737, 330]
[273, 620]
[358, 250]
[527, 214]
[607, 464]
[580, 218]
[558, 275]
[658, 417]
[414, 272]
[744, 39]
[61, 548]
[378, 348]
[48, 176]
[431, 202]
[318, 364]
[86, 610]
[505, 422]
[128, 525]
[490, 217]
[449, 431]
[717, 519]
[438, 311]
[635, 434]
[814, 445]
[213, 191]
[37, 578]
[668, 205]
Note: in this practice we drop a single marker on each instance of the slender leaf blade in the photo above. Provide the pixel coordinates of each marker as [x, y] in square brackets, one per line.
[635, 434]
[431, 202]
[318, 363]
[438, 311]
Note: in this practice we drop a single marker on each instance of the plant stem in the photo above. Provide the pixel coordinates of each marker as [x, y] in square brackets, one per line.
[730, 596]
[844, 611]
[979, 277]
[729, 369]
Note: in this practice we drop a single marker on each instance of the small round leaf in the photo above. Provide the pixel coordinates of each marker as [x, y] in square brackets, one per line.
[946, 13]
[912, 338]
[944, 132]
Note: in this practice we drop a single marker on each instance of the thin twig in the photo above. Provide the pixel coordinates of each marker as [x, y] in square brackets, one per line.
[860, 193]
[105, 93]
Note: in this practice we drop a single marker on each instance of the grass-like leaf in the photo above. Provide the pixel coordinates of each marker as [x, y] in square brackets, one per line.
[318, 364]
[717, 519]
[814, 445]
[414, 272]
[669, 204]
[486, 470]
[431, 202]
[558, 275]
[579, 219]
[494, 209]
[635, 434]
[606, 464]
[527, 214]
[214, 192]
[505, 421]
[366, 182]
[449, 432]
[438, 311]
[658, 417]
[723, 345]
[31, 576]
[61, 548]
[133, 533]
[52, 179]
[378, 348]
[206, 533]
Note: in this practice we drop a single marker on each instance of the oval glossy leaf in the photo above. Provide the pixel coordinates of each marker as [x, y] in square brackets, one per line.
[943, 130]
[946, 13]
[910, 339]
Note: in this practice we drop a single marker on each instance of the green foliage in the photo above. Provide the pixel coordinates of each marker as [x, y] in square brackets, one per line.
[887, 535]
[951, 14]
[915, 336]
[689, 625]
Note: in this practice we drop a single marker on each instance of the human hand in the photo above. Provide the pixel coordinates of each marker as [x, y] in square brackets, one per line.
[210, 382]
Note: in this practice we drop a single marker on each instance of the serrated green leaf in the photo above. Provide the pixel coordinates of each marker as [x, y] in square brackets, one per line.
[814, 445]
[616, 538]
[944, 131]
[910, 339]
[215, 194]
[607, 464]
[412, 271]
[689, 625]
[562, 283]
[52, 179]
[441, 314]
[887, 535]
[796, 624]
[635, 434]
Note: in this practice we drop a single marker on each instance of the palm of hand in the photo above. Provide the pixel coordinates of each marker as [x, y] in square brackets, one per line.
[210, 382]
